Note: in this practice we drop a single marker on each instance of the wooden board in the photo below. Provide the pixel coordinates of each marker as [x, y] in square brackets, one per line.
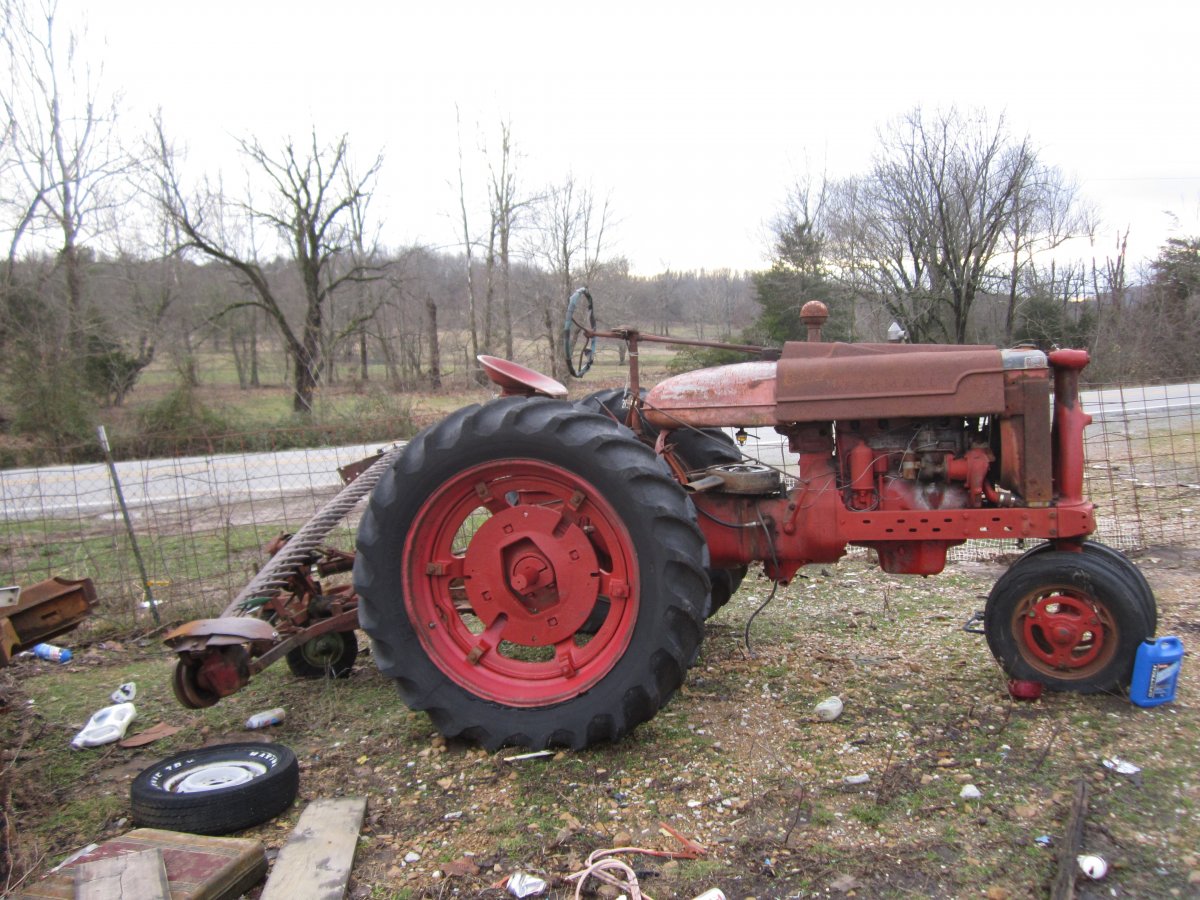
[315, 862]
[131, 876]
[198, 868]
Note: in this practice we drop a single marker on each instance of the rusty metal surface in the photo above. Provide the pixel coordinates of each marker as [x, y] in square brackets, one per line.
[738, 394]
[1026, 457]
[235, 629]
[307, 540]
[45, 610]
[347, 620]
[833, 382]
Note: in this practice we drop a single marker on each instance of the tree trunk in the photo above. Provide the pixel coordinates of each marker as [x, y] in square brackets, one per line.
[239, 360]
[254, 382]
[435, 358]
[74, 279]
[556, 363]
[1010, 317]
[506, 298]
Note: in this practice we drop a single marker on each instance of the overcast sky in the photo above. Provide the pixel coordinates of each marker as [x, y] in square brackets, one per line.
[694, 118]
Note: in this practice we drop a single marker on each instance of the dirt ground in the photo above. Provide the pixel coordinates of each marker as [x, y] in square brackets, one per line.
[737, 762]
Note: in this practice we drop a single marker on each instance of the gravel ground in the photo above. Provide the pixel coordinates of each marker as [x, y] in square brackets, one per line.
[737, 762]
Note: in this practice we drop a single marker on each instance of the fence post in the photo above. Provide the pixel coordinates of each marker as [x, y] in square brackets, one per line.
[137, 553]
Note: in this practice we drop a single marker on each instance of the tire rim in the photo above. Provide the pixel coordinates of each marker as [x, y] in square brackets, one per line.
[503, 564]
[1064, 634]
[324, 651]
[213, 776]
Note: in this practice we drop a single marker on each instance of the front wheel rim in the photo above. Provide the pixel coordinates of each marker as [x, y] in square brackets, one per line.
[503, 565]
[1065, 634]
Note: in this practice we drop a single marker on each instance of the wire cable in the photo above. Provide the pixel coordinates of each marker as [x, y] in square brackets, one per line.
[774, 581]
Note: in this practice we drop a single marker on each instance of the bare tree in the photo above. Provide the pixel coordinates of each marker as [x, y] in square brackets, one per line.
[64, 165]
[468, 247]
[506, 210]
[312, 194]
[923, 231]
[570, 233]
[1046, 212]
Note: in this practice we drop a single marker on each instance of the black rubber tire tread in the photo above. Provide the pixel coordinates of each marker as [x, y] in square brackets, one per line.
[222, 810]
[699, 450]
[1090, 575]
[653, 507]
[339, 667]
[725, 583]
[1139, 586]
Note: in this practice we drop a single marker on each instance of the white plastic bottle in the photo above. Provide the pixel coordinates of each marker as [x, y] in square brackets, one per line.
[263, 719]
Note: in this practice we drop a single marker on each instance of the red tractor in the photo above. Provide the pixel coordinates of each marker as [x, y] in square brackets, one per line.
[537, 572]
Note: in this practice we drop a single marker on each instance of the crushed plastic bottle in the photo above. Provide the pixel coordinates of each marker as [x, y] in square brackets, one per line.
[52, 653]
[266, 718]
[520, 884]
[105, 726]
[124, 693]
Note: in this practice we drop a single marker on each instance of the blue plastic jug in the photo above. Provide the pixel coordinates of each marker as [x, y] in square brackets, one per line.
[1156, 671]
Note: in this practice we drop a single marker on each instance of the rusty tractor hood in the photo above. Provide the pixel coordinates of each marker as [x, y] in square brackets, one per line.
[816, 382]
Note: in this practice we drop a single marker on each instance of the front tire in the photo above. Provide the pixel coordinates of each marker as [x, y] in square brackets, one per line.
[1067, 620]
[1139, 587]
[488, 546]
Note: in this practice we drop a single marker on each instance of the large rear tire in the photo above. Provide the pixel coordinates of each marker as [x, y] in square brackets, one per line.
[488, 546]
[699, 449]
[1067, 620]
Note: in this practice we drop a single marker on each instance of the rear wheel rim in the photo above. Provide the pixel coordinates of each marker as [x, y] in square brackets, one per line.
[1064, 633]
[503, 564]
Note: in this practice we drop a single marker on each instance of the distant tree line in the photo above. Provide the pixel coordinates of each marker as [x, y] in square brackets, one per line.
[116, 256]
[958, 232]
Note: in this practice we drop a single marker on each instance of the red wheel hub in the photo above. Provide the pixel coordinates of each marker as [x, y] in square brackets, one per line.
[530, 551]
[535, 567]
[1064, 632]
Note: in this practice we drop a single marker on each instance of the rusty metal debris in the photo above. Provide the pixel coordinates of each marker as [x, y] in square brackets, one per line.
[284, 608]
[43, 611]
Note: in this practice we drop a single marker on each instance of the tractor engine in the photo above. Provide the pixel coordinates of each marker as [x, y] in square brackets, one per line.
[907, 449]
[909, 465]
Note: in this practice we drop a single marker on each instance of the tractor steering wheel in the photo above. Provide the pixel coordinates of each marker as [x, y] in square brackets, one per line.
[579, 333]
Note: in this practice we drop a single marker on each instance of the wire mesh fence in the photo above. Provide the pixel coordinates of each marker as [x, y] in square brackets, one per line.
[1143, 463]
[202, 522]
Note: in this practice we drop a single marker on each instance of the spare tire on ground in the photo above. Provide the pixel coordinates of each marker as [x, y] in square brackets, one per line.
[216, 790]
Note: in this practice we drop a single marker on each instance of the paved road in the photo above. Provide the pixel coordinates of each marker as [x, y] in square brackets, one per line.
[198, 481]
[1156, 401]
[208, 480]
[1141, 404]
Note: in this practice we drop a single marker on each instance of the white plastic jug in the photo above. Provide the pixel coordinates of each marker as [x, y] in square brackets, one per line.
[105, 726]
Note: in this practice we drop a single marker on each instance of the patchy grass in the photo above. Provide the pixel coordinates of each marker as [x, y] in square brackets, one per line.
[737, 761]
